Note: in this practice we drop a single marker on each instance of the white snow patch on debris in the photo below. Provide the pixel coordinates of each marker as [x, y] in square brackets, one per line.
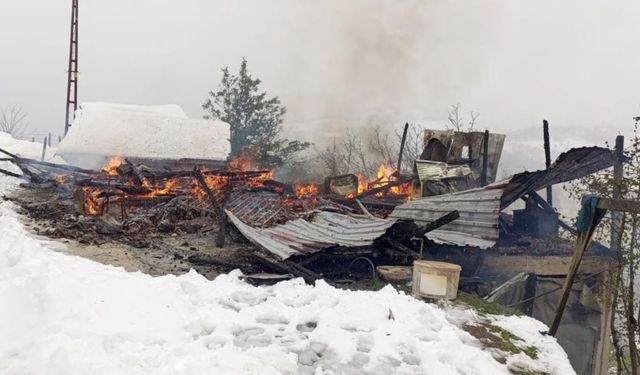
[101, 130]
[62, 314]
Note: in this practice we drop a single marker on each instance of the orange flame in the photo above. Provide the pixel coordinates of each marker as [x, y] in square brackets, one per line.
[384, 174]
[60, 179]
[305, 189]
[111, 165]
[91, 204]
[241, 162]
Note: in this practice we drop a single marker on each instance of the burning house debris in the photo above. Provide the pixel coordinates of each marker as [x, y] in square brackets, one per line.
[449, 208]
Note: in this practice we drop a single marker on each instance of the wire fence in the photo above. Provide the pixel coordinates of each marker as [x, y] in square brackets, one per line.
[52, 139]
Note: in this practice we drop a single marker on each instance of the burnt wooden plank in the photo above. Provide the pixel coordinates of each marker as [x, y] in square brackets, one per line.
[437, 223]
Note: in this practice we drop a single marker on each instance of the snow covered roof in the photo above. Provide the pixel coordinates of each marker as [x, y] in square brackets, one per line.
[102, 130]
[170, 110]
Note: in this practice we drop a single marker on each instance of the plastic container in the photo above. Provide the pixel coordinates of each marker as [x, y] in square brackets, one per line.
[435, 279]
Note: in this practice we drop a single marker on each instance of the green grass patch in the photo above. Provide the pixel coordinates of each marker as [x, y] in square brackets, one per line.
[492, 336]
[485, 307]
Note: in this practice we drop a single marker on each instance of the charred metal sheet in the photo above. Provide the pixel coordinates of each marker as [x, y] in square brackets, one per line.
[478, 223]
[323, 230]
[573, 164]
[435, 170]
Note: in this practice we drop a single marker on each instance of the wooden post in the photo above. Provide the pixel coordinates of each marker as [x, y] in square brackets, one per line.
[485, 159]
[584, 238]
[218, 208]
[222, 216]
[404, 138]
[49, 140]
[33, 139]
[547, 157]
[616, 217]
[44, 148]
[59, 139]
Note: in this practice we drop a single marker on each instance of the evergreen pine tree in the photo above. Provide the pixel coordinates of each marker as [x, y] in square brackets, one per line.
[255, 119]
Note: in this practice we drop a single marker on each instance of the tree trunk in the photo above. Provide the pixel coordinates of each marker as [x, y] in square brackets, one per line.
[629, 311]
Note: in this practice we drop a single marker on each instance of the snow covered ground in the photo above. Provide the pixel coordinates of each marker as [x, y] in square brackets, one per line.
[61, 314]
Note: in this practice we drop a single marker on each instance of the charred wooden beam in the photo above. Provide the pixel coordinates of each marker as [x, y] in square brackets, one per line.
[547, 157]
[222, 217]
[13, 156]
[485, 159]
[33, 177]
[129, 189]
[217, 207]
[437, 223]
[135, 173]
[398, 247]
[8, 173]
[546, 207]
[382, 189]
[63, 167]
[623, 205]
[536, 198]
[288, 266]
[277, 186]
[147, 200]
[404, 139]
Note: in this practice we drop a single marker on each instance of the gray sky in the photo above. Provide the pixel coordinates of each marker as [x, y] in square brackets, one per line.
[336, 63]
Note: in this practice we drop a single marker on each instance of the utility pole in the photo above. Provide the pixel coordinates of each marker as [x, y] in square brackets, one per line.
[72, 73]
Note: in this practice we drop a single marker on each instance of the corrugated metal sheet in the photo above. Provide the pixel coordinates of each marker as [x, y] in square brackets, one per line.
[480, 208]
[477, 226]
[325, 229]
[571, 165]
[478, 223]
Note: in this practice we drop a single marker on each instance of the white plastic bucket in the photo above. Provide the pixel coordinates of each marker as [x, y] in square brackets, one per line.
[433, 279]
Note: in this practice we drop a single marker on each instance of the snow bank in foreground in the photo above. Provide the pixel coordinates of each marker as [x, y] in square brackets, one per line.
[61, 314]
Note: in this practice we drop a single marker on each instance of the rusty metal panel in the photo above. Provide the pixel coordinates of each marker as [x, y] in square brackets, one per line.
[324, 229]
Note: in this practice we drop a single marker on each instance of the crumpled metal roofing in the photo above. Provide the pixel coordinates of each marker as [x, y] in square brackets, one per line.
[480, 208]
[324, 229]
[478, 222]
[477, 225]
[570, 165]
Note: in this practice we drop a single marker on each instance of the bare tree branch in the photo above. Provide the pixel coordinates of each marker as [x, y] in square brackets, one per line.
[457, 122]
[12, 120]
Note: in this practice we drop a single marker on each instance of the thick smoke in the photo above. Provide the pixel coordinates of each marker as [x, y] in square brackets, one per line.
[337, 63]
